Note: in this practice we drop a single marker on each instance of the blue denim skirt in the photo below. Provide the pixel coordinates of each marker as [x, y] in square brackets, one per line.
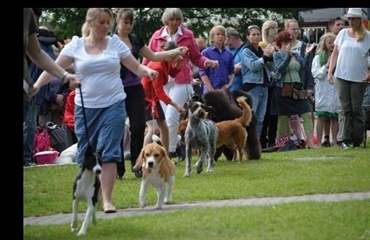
[105, 129]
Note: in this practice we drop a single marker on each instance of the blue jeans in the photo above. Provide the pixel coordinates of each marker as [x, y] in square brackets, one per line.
[30, 113]
[259, 95]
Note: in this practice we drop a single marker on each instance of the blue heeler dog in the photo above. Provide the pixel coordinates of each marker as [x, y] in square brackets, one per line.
[201, 133]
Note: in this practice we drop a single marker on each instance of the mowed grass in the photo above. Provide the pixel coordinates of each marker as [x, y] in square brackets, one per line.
[48, 190]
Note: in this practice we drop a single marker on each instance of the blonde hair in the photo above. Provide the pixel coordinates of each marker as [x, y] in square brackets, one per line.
[92, 14]
[265, 29]
[172, 13]
[214, 30]
[359, 32]
[322, 46]
[288, 22]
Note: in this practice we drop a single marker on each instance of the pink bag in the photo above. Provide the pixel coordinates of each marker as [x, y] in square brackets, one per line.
[42, 141]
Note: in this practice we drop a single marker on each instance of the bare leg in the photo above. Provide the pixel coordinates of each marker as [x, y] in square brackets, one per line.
[320, 123]
[334, 130]
[107, 178]
[327, 126]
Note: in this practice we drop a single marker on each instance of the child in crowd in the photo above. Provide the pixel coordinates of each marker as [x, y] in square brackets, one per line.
[326, 95]
[154, 92]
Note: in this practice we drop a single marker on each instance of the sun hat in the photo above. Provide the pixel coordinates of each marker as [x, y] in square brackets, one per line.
[354, 13]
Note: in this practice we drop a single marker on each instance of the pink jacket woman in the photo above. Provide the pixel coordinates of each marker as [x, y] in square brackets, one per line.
[184, 39]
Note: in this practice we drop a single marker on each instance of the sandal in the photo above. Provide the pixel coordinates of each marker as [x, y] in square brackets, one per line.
[109, 208]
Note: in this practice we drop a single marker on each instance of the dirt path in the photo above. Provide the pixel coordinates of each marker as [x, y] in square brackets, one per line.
[66, 218]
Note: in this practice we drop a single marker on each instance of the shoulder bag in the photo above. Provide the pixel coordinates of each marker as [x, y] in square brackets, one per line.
[293, 90]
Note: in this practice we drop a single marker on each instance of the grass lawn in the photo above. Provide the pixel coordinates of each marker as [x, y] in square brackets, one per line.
[48, 190]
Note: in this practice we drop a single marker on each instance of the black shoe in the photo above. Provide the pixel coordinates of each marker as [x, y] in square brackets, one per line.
[326, 144]
[356, 145]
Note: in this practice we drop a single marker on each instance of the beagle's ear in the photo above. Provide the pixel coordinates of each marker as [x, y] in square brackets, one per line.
[139, 161]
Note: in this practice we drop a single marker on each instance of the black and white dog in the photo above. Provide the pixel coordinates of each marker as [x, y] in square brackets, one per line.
[86, 188]
[201, 133]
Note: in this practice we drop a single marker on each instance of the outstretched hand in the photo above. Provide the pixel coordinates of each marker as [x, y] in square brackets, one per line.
[309, 48]
[211, 63]
[152, 74]
[183, 50]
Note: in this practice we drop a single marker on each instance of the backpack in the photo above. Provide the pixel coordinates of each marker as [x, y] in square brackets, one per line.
[42, 141]
[57, 136]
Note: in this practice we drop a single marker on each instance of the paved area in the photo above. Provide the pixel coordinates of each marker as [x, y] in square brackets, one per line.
[66, 218]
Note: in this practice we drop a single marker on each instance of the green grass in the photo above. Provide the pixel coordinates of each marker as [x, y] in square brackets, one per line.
[48, 190]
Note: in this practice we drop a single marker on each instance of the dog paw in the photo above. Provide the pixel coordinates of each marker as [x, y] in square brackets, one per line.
[187, 174]
[199, 170]
[74, 227]
[80, 233]
[143, 204]
[167, 200]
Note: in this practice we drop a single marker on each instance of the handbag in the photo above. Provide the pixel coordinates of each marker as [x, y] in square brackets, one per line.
[298, 91]
[293, 90]
[287, 90]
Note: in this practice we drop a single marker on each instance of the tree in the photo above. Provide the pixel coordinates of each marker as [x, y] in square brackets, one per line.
[67, 22]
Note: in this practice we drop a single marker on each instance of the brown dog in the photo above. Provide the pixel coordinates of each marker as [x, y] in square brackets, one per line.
[232, 133]
[224, 108]
[158, 170]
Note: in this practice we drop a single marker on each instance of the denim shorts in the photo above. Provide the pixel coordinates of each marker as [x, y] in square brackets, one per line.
[105, 127]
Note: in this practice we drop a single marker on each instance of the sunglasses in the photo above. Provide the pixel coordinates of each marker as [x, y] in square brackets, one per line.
[289, 39]
[253, 26]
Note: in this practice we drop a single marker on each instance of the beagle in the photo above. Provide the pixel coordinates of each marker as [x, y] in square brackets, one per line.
[158, 170]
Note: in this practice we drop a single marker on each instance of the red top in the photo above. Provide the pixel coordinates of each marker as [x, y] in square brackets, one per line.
[153, 89]
[69, 111]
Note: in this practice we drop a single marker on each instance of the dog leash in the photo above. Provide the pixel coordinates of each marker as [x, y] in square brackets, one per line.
[84, 115]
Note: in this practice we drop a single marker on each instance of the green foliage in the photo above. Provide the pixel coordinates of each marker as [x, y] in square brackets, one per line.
[67, 22]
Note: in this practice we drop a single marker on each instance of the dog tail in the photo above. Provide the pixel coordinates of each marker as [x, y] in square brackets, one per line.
[157, 140]
[246, 117]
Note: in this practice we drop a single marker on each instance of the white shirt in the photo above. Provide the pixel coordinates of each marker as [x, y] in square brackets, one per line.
[99, 74]
[352, 59]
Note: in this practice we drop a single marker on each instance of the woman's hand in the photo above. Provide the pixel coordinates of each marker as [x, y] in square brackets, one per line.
[179, 108]
[309, 48]
[211, 63]
[179, 61]
[330, 78]
[152, 74]
[182, 50]
[288, 49]
[269, 50]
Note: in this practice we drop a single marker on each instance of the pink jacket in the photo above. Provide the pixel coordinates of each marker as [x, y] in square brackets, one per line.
[186, 39]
